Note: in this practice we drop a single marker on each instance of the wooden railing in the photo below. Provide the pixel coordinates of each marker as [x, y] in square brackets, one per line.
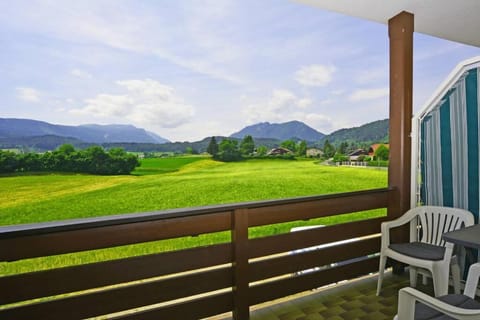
[190, 283]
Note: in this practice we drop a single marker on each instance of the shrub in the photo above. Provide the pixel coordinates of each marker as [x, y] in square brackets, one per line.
[8, 162]
[228, 151]
[382, 152]
[66, 159]
[338, 157]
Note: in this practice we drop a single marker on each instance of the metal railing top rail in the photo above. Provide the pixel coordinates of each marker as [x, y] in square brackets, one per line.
[13, 231]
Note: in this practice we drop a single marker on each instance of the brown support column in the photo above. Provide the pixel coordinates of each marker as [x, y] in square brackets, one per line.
[400, 31]
[240, 264]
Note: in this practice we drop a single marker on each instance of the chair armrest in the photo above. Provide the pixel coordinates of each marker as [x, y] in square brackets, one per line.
[400, 221]
[404, 219]
[406, 306]
[472, 280]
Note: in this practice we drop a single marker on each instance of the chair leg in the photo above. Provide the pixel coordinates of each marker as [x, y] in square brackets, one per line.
[381, 270]
[413, 276]
[456, 277]
[406, 306]
[424, 279]
[440, 281]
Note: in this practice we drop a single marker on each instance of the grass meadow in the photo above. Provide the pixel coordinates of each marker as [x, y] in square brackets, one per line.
[168, 183]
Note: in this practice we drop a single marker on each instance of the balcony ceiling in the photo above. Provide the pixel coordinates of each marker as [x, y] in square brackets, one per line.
[455, 20]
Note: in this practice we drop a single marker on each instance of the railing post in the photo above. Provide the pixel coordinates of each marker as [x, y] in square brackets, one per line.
[400, 31]
[240, 264]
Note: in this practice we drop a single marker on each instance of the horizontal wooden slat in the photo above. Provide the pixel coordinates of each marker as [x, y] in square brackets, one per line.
[190, 310]
[312, 237]
[70, 279]
[288, 286]
[103, 237]
[291, 263]
[123, 298]
[321, 207]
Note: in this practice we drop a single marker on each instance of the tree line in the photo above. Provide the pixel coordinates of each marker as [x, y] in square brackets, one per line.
[230, 150]
[93, 160]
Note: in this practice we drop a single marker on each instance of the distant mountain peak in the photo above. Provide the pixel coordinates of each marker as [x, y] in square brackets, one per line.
[293, 121]
[114, 126]
[281, 131]
[90, 133]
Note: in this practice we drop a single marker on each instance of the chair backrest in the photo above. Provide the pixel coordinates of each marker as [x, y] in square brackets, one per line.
[434, 221]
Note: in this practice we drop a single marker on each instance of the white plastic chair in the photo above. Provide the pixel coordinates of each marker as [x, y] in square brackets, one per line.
[457, 306]
[426, 249]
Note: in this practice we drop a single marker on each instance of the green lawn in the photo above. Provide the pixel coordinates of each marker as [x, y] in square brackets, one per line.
[27, 199]
[164, 165]
[172, 183]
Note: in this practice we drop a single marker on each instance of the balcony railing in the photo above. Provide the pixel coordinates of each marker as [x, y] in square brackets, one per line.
[190, 283]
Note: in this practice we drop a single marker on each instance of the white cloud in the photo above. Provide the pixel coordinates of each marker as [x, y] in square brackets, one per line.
[281, 100]
[273, 109]
[368, 94]
[319, 122]
[200, 129]
[199, 65]
[283, 106]
[315, 75]
[107, 105]
[304, 103]
[145, 102]
[80, 74]
[28, 94]
[194, 37]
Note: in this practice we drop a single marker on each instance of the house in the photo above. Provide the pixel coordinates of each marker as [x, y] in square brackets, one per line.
[278, 151]
[244, 271]
[356, 154]
[373, 148]
[314, 153]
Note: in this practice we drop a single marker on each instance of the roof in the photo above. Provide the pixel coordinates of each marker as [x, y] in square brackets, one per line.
[452, 20]
[278, 150]
[357, 152]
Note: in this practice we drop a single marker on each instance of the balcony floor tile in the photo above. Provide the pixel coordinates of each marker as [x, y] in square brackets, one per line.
[354, 299]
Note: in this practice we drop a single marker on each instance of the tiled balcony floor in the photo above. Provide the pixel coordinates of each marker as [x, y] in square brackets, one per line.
[351, 300]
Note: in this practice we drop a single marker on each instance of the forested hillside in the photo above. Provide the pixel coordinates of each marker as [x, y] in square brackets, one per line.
[280, 131]
[376, 131]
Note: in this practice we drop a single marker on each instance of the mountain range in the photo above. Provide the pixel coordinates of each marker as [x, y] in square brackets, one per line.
[43, 136]
[93, 133]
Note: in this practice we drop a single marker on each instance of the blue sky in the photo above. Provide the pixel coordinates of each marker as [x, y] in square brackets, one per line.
[190, 69]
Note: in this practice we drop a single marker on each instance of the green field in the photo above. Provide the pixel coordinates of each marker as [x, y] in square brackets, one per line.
[164, 165]
[173, 183]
